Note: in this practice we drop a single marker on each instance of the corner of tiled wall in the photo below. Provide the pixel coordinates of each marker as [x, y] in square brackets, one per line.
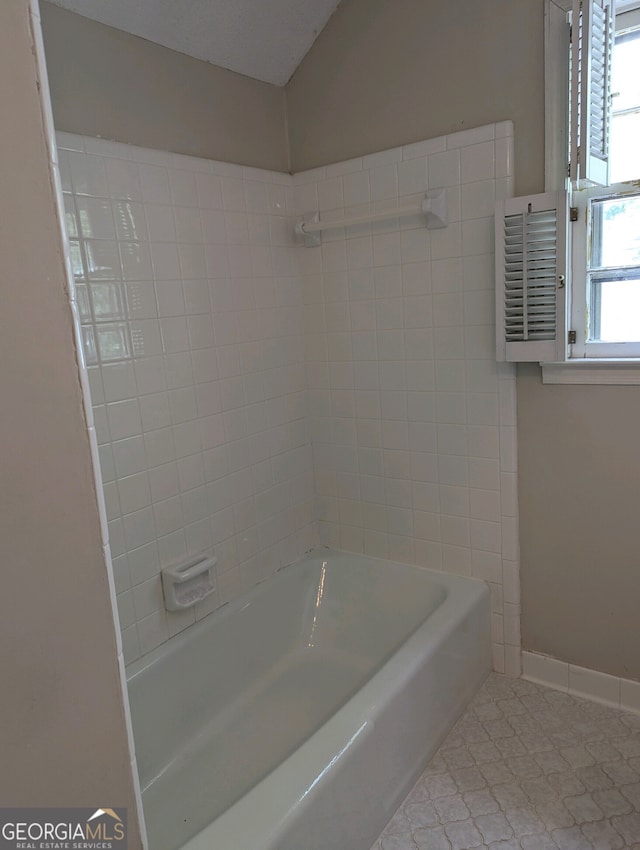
[412, 420]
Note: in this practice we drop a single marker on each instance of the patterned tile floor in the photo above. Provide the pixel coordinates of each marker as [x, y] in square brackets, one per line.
[527, 768]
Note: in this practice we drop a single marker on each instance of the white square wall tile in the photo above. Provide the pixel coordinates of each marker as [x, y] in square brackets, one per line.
[478, 199]
[485, 535]
[141, 300]
[139, 528]
[305, 199]
[164, 261]
[384, 182]
[444, 169]
[356, 190]
[154, 182]
[447, 309]
[446, 242]
[486, 566]
[88, 174]
[123, 179]
[192, 261]
[330, 194]
[386, 249]
[484, 505]
[124, 419]
[119, 382]
[484, 474]
[160, 222]
[446, 275]
[478, 236]
[412, 176]
[183, 190]
[478, 162]
[154, 411]
[483, 408]
[134, 492]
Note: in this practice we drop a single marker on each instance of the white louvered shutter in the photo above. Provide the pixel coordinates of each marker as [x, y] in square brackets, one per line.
[592, 34]
[531, 267]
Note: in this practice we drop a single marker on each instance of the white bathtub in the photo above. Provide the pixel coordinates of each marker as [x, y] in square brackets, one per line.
[298, 717]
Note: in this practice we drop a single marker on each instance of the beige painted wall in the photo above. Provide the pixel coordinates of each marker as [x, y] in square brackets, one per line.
[389, 72]
[107, 83]
[579, 506]
[62, 730]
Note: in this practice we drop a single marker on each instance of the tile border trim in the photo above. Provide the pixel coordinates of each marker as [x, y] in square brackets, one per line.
[613, 691]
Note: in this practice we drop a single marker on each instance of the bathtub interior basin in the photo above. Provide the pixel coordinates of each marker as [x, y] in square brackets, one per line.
[220, 710]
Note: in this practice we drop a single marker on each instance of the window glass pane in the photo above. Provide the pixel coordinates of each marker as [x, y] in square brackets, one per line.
[615, 310]
[625, 72]
[615, 232]
[625, 125]
[625, 147]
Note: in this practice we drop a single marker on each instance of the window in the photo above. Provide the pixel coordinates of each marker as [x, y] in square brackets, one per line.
[568, 262]
[625, 123]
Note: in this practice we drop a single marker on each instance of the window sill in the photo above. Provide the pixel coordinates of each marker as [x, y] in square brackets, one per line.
[620, 372]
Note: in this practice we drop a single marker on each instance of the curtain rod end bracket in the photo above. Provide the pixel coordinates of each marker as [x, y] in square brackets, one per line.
[311, 240]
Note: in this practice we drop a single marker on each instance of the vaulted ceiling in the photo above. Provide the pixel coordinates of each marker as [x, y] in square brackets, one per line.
[263, 39]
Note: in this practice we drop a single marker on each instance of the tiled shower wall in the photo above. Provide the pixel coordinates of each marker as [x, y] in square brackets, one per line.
[412, 421]
[198, 313]
[187, 282]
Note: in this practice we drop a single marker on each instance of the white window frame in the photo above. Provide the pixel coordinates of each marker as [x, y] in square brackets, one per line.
[615, 364]
[582, 238]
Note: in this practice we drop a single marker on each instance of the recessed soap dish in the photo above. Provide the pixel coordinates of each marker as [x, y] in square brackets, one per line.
[189, 583]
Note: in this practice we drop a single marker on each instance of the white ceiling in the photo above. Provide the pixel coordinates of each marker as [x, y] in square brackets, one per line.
[264, 39]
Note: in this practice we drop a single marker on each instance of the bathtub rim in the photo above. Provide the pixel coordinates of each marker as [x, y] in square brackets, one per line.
[227, 609]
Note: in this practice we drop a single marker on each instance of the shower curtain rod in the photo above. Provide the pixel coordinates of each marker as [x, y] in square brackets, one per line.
[433, 206]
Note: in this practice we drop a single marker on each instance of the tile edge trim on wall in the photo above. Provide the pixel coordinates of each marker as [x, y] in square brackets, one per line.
[614, 691]
[83, 376]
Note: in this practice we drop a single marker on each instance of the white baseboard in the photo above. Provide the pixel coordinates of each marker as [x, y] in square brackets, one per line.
[581, 682]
